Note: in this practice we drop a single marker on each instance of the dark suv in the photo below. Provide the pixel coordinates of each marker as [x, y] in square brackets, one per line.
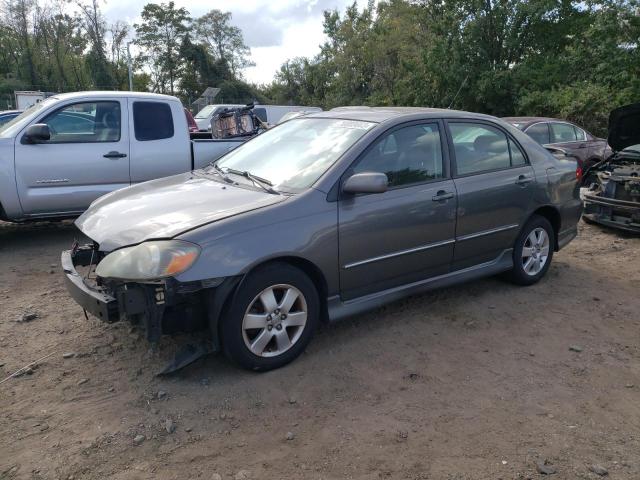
[571, 138]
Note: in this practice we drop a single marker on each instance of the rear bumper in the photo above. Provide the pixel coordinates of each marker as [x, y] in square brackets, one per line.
[97, 302]
[613, 213]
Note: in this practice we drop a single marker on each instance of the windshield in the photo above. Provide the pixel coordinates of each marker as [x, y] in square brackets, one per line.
[12, 128]
[293, 155]
[206, 111]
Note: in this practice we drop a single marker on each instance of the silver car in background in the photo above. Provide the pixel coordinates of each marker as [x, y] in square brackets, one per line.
[323, 217]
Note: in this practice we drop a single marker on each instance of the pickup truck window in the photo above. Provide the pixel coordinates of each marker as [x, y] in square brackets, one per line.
[152, 121]
[407, 156]
[18, 123]
[86, 122]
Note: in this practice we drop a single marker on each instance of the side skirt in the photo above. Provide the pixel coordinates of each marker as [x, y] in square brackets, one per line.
[339, 309]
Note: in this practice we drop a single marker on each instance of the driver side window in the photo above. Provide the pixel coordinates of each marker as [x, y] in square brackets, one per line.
[88, 122]
[407, 155]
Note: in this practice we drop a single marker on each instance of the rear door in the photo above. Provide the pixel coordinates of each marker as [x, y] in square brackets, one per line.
[570, 138]
[86, 157]
[407, 233]
[495, 185]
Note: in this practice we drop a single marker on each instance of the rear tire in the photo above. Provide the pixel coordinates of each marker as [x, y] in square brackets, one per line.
[532, 251]
[271, 318]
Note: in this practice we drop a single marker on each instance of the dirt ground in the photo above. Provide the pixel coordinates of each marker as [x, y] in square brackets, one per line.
[478, 381]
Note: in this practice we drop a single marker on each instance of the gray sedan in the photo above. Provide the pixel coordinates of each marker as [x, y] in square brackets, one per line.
[320, 218]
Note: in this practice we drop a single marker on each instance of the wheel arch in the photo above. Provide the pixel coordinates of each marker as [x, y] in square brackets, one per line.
[552, 214]
[307, 266]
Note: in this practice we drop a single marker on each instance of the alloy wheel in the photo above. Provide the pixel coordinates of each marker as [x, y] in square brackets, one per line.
[535, 251]
[275, 320]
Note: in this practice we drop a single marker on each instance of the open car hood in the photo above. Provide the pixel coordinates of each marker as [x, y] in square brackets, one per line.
[165, 208]
[624, 127]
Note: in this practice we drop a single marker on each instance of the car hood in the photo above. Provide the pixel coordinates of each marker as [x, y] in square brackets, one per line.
[624, 127]
[165, 208]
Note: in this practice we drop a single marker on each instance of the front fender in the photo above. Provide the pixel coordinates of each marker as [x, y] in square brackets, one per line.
[306, 230]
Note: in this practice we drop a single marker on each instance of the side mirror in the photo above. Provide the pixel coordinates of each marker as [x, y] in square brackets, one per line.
[366, 182]
[37, 133]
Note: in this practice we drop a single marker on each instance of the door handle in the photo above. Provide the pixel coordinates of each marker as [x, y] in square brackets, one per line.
[114, 154]
[441, 196]
[523, 180]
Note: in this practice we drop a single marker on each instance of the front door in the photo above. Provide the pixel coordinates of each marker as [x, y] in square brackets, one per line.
[495, 186]
[86, 157]
[407, 233]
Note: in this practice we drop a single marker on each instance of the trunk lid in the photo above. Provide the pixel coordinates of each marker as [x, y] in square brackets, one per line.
[624, 127]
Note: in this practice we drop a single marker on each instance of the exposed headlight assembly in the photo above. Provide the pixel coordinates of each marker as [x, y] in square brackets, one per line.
[149, 260]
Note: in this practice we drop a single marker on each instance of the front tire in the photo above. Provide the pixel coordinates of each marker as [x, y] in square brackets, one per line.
[272, 317]
[533, 251]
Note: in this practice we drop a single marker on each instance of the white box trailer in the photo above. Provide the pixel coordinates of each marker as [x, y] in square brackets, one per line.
[24, 99]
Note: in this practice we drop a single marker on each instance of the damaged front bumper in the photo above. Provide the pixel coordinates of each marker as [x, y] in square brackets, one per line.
[612, 212]
[162, 307]
[614, 200]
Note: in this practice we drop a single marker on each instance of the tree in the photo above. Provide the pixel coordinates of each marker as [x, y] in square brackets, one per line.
[17, 19]
[225, 41]
[96, 58]
[160, 35]
[574, 60]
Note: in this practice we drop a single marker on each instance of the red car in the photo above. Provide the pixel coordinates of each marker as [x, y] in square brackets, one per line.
[193, 127]
[571, 138]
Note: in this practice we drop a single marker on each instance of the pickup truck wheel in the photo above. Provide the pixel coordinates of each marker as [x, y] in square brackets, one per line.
[533, 251]
[271, 319]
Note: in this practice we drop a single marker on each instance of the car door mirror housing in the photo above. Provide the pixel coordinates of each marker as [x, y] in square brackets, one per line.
[37, 133]
[366, 182]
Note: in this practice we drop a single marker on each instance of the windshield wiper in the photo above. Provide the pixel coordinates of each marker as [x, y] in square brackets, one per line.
[265, 184]
[220, 172]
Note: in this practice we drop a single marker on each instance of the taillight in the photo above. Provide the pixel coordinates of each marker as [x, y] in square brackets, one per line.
[579, 173]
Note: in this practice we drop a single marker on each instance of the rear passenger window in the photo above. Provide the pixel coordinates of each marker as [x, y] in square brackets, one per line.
[152, 121]
[479, 148]
[539, 132]
[562, 133]
[517, 157]
[406, 155]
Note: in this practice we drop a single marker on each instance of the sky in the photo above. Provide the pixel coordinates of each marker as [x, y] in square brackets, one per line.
[275, 30]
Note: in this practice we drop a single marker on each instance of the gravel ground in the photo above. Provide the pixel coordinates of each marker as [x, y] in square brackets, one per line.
[480, 381]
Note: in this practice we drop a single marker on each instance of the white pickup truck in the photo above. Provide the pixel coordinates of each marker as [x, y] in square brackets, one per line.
[64, 152]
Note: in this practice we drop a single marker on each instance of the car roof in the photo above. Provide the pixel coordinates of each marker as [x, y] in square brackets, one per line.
[525, 121]
[10, 112]
[114, 94]
[383, 114]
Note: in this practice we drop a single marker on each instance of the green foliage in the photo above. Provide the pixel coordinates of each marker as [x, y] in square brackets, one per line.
[224, 41]
[60, 46]
[563, 58]
[160, 35]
